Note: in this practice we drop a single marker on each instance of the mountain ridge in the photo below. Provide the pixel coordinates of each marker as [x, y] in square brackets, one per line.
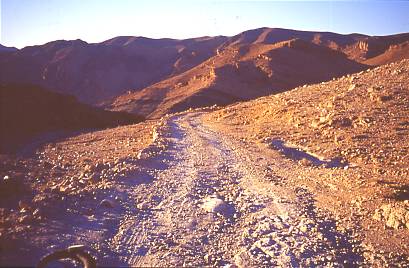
[105, 73]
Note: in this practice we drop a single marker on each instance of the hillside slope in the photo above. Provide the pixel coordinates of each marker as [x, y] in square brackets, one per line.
[393, 54]
[345, 116]
[27, 111]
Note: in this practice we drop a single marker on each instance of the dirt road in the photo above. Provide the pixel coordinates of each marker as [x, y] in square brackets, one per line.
[212, 201]
[199, 198]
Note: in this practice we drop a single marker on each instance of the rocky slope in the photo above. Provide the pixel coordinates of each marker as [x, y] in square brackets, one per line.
[28, 111]
[358, 124]
[393, 54]
[39, 192]
[362, 117]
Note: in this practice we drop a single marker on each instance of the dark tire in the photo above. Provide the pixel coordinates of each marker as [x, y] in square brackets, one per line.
[74, 253]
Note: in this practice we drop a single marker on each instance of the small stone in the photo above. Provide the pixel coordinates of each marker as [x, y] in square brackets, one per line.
[305, 162]
[395, 215]
[304, 228]
[87, 168]
[267, 241]
[107, 203]
[377, 215]
[23, 205]
[94, 178]
[24, 219]
[36, 212]
[88, 212]
[214, 204]
[142, 206]
[63, 189]
[207, 258]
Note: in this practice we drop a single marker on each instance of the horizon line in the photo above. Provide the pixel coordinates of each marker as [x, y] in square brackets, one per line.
[203, 36]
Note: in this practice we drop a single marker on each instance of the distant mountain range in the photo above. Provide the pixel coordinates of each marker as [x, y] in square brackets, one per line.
[152, 77]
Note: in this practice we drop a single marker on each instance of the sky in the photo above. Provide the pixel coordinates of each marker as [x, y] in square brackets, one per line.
[35, 22]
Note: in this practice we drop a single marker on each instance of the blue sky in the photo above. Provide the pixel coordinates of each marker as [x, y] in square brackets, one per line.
[32, 22]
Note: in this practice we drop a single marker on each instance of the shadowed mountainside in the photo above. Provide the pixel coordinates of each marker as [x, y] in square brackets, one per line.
[27, 111]
[393, 54]
[7, 49]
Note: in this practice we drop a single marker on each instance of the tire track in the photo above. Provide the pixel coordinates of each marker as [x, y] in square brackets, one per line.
[267, 223]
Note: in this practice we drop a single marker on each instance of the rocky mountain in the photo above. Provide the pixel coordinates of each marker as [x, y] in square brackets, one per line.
[156, 76]
[27, 111]
[393, 54]
[240, 72]
[7, 49]
[97, 72]
[260, 62]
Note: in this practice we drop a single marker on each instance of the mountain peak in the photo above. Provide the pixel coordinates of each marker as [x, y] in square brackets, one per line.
[7, 49]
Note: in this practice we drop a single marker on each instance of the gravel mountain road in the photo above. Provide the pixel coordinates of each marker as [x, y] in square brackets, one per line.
[214, 201]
